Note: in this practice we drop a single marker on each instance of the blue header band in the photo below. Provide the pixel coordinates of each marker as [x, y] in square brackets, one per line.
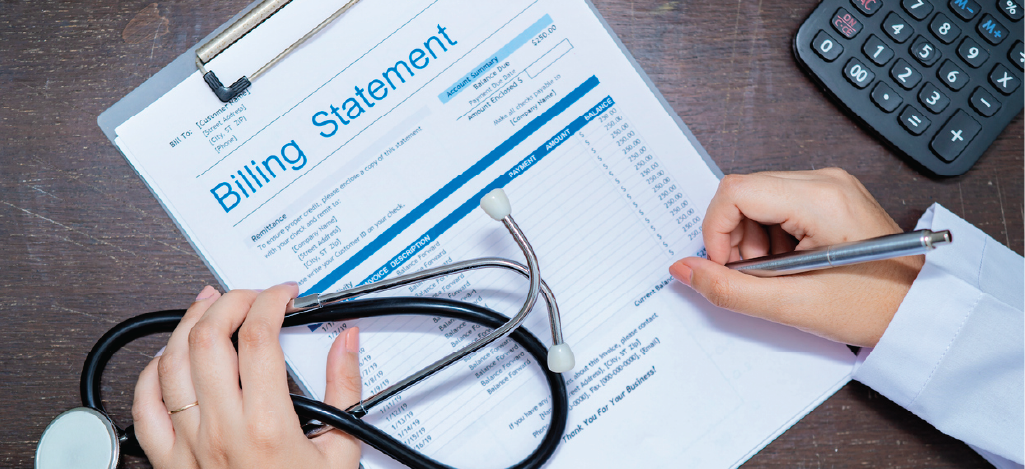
[448, 189]
[470, 205]
[495, 59]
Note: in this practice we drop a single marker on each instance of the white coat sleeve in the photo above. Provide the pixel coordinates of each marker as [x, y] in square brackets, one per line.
[954, 354]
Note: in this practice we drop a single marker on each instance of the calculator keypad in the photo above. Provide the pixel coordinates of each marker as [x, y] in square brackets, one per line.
[991, 30]
[868, 7]
[913, 120]
[933, 99]
[1017, 55]
[947, 71]
[972, 53]
[1010, 9]
[846, 24]
[984, 103]
[944, 29]
[952, 76]
[885, 97]
[953, 137]
[897, 28]
[924, 51]
[905, 75]
[827, 47]
[966, 9]
[877, 51]
[1003, 80]
[918, 9]
[858, 74]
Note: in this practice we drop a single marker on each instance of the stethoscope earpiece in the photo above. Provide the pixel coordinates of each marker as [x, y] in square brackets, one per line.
[82, 438]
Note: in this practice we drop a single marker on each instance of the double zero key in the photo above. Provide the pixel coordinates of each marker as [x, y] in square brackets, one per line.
[857, 73]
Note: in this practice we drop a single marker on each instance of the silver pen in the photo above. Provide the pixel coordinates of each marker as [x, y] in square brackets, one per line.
[855, 252]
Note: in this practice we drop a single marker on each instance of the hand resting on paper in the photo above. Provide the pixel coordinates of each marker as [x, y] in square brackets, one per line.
[768, 213]
[233, 426]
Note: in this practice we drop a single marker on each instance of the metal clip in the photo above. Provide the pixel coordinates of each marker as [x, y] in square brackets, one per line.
[237, 30]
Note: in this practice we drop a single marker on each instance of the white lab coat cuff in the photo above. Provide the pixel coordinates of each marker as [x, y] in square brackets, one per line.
[953, 352]
[900, 369]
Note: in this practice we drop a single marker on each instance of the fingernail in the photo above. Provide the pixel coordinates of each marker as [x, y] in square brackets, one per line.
[291, 282]
[160, 352]
[205, 293]
[352, 340]
[681, 273]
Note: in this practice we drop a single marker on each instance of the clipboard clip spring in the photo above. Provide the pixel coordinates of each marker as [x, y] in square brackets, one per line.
[237, 30]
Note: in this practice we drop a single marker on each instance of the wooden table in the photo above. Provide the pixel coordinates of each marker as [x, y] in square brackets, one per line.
[85, 244]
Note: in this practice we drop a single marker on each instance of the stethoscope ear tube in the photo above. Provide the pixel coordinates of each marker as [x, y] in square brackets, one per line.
[166, 321]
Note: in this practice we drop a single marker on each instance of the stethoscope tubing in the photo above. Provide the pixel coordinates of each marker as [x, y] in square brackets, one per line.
[166, 321]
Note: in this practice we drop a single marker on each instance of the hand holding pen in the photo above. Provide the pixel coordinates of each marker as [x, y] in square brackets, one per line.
[773, 213]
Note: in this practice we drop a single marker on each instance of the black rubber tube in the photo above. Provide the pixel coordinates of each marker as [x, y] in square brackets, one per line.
[165, 321]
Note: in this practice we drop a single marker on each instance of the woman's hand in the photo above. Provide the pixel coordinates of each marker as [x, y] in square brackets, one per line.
[774, 212]
[244, 417]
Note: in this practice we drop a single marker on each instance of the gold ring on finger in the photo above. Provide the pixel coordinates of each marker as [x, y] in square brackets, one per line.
[175, 411]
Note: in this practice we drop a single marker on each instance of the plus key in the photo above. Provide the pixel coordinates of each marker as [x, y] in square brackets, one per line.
[954, 136]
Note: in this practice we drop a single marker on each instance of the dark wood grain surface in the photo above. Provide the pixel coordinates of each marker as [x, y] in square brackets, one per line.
[84, 244]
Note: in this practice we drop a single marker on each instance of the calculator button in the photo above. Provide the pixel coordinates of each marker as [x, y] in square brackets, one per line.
[984, 103]
[950, 75]
[868, 7]
[965, 9]
[877, 51]
[913, 120]
[846, 24]
[1016, 55]
[918, 9]
[857, 73]
[1010, 9]
[924, 51]
[972, 53]
[944, 29]
[885, 97]
[904, 74]
[953, 137]
[933, 99]
[1002, 80]
[826, 46]
[898, 29]
[991, 30]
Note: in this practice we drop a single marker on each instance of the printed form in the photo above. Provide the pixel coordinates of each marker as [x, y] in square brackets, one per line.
[363, 155]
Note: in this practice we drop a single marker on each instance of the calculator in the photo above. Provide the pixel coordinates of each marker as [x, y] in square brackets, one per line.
[937, 81]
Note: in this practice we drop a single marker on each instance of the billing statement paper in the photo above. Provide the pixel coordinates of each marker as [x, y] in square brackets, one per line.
[363, 155]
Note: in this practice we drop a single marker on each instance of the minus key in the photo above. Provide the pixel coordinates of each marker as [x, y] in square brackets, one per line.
[984, 103]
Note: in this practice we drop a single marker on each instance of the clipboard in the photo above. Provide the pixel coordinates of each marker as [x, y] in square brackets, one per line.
[184, 70]
[251, 18]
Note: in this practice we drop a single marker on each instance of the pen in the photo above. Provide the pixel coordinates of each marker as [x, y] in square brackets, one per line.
[855, 252]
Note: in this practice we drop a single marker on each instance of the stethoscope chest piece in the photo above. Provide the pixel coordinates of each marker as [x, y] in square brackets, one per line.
[82, 438]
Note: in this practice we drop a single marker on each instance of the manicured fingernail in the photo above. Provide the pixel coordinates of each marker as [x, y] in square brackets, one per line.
[352, 340]
[681, 273]
[160, 352]
[205, 293]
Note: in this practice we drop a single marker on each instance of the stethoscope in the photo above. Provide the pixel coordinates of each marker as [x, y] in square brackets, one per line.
[87, 437]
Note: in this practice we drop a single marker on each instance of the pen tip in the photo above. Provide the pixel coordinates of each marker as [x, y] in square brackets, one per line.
[940, 237]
